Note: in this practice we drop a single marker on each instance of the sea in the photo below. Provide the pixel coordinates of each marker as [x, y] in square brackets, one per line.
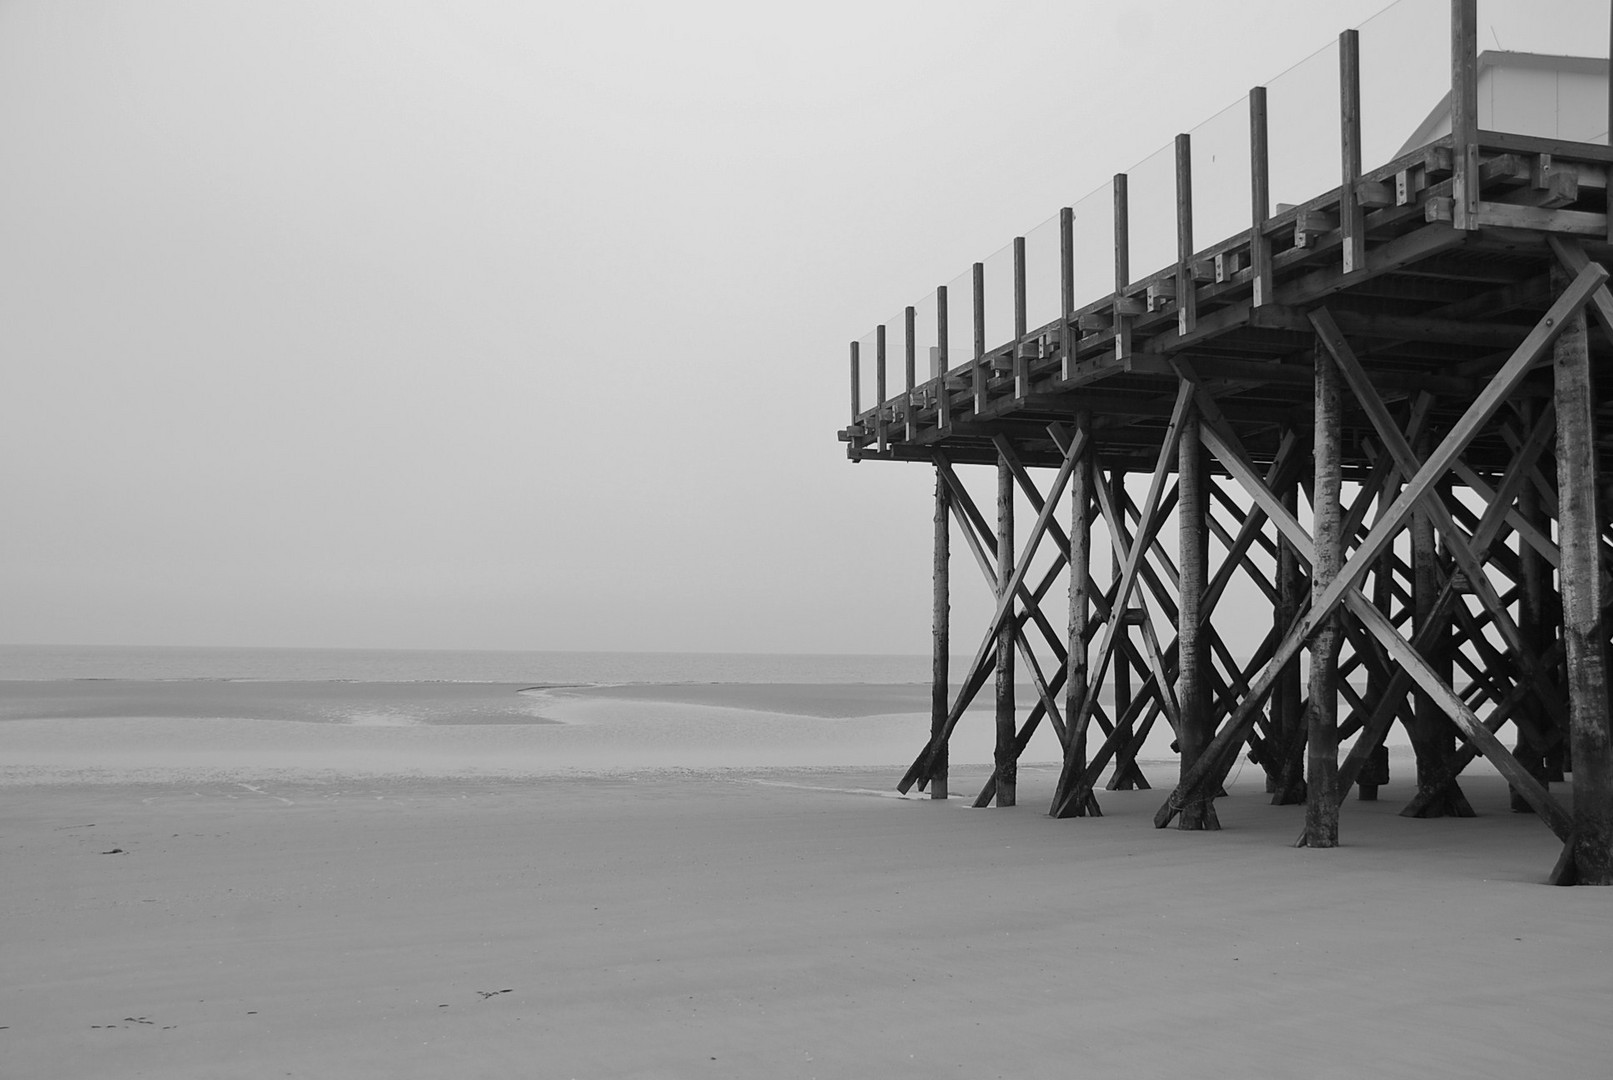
[170, 663]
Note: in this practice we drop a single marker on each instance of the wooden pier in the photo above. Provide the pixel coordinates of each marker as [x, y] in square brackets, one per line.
[1380, 408]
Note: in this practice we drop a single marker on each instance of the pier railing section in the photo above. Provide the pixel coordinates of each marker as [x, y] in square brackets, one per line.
[1010, 307]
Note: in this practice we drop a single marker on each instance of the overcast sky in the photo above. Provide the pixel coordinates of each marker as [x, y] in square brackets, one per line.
[522, 325]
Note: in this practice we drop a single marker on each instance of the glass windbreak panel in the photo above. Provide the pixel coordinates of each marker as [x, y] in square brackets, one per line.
[1302, 117]
[895, 355]
[1094, 230]
[866, 389]
[960, 322]
[926, 355]
[1151, 198]
[1560, 27]
[1043, 274]
[1221, 175]
[1543, 68]
[1405, 79]
[999, 297]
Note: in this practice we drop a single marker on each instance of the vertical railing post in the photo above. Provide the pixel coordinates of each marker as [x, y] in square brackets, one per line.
[1022, 363]
[910, 407]
[910, 319]
[943, 399]
[1122, 213]
[879, 385]
[1352, 221]
[1464, 112]
[1067, 333]
[1186, 290]
[856, 382]
[979, 384]
[1259, 197]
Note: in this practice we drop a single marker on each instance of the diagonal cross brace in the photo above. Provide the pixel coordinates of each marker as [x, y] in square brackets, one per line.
[1484, 537]
[1152, 661]
[1591, 280]
[983, 545]
[1147, 526]
[1032, 601]
[1455, 540]
[922, 767]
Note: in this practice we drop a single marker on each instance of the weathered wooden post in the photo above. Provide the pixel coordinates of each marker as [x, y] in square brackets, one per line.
[1433, 736]
[1122, 231]
[1352, 221]
[943, 403]
[1464, 112]
[1075, 679]
[1584, 635]
[1081, 497]
[1426, 715]
[941, 635]
[1322, 730]
[1535, 623]
[1375, 772]
[979, 383]
[1007, 757]
[909, 318]
[1067, 331]
[1126, 775]
[1286, 775]
[1021, 362]
[856, 382]
[880, 393]
[1192, 657]
[1186, 288]
[910, 412]
[1259, 198]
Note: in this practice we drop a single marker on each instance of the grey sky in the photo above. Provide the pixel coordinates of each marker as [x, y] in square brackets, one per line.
[519, 325]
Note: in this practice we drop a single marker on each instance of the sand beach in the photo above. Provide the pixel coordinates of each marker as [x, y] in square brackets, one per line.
[303, 899]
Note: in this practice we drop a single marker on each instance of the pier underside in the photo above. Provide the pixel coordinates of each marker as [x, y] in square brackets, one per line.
[1380, 412]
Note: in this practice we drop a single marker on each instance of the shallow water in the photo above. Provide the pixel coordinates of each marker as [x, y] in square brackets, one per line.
[146, 731]
[175, 714]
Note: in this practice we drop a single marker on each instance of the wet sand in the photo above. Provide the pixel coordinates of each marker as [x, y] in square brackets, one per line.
[746, 921]
[829, 701]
